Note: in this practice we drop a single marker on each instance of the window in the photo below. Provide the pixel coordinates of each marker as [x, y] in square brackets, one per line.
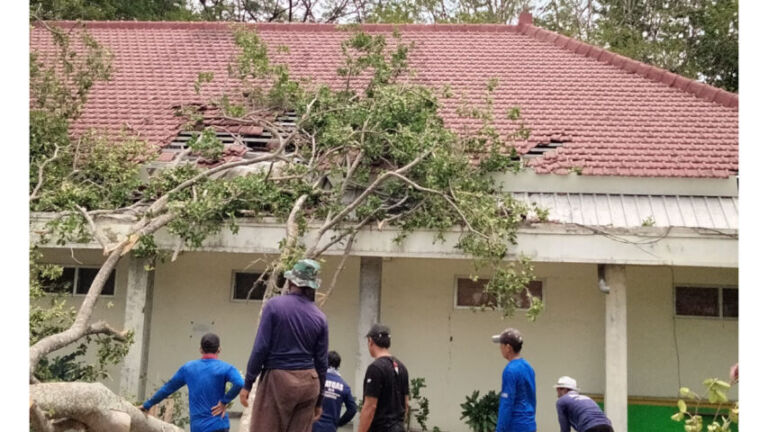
[77, 280]
[245, 283]
[713, 302]
[470, 293]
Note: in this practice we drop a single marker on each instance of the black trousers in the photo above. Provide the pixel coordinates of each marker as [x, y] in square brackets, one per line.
[601, 428]
[221, 430]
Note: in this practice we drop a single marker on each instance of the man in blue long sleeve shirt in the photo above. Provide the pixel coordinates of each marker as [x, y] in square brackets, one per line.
[290, 354]
[206, 379]
[337, 392]
[517, 403]
[578, 411]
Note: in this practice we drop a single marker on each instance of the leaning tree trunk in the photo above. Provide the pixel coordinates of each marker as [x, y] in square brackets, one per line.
[93, 405]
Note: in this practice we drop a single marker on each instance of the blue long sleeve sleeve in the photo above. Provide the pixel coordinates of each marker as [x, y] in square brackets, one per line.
[562, 417]
[505, 402]
[260, 348]
[234, 377]
[176, 382]
[350, 405]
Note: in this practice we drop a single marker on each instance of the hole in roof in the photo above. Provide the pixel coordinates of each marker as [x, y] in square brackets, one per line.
[255, 138]
[555, 141]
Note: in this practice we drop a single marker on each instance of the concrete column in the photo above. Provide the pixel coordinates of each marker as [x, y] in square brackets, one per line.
[138, 313]
[613, 279]
[369, 313]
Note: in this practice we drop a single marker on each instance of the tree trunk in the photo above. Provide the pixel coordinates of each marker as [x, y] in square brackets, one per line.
[95, 406]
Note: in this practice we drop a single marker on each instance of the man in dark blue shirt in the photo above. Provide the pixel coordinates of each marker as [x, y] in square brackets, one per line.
[290, 354]
[578, 411]
[206, 379]
[517, 403]
[337, 392]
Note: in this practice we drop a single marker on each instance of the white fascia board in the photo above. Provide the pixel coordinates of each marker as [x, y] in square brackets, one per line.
[540, 242]
[529, 181]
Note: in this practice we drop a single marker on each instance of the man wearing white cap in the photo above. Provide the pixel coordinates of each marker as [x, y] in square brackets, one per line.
[578, 411]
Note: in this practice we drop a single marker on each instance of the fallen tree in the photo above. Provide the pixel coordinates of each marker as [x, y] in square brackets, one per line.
[372, 153]
[90, 406]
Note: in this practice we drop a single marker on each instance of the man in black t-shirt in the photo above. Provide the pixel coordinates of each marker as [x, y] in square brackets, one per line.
[385, 387]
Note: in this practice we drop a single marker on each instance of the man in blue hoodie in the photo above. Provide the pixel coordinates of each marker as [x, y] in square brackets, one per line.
[206, 379]
[517, 403]
[337, 392]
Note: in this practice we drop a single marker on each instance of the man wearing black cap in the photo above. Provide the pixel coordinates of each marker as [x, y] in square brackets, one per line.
[206, 379]
[517, 403]
[385, 387]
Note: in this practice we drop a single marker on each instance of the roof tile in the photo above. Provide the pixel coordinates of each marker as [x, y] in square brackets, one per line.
[620, 116]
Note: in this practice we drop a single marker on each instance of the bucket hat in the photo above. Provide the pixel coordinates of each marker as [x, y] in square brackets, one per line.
[304, 274]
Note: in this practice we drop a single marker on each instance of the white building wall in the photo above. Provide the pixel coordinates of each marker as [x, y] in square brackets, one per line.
[450, 347]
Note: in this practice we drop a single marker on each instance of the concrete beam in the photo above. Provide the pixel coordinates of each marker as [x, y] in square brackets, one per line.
[138, 314]
[369, 314]
[614, 279]
[547, 242]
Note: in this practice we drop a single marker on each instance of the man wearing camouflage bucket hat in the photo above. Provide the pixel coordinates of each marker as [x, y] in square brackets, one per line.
[290, 354]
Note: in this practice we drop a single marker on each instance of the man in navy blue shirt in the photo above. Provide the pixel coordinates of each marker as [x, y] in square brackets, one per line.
[337, 392]
[206, 379]
[290, 354]
[578, 411]
[517, 403]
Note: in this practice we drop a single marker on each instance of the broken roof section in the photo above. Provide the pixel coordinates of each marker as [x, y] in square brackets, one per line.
[619, 117]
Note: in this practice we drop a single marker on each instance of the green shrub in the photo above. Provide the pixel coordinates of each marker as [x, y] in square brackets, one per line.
[481, 414]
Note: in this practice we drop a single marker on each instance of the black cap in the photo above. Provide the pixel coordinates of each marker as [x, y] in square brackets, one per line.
[378, 330]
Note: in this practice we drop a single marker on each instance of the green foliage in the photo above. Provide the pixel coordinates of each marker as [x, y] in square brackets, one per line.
[142, 10]
[648, 222]
[49, 314]
[481, 413]
[419, 412]
[695, 38]
[717, 393]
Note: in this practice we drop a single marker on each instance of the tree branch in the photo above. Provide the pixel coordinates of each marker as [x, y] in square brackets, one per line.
[445, 197]
[102, 327]
[38, 422]
[96, 232]
[339, 268]
[40, 171]
[354, 204]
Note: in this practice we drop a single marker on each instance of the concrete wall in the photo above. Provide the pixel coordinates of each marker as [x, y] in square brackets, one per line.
[707, 347]
[108, 308]
[448, 346]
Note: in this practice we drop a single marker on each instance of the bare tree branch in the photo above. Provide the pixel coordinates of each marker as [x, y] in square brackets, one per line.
[97, 234]
[339, 268]
[40, 171]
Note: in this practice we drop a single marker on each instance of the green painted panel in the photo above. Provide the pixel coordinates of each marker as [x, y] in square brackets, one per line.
[652, 418]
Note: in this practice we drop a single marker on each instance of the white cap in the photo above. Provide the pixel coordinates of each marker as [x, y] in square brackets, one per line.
[566, 382]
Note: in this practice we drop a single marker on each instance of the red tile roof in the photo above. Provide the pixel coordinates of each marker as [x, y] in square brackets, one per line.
[615, 116]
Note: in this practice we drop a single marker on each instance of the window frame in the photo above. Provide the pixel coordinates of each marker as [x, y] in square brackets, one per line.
[232, 286]
[465, 276]
[720, 304]
[76, 280]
